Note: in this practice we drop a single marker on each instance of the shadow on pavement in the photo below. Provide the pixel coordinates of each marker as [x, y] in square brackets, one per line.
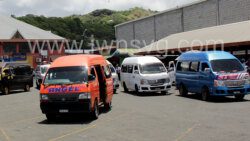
[215, 99]
[147, 94]
[67, 119]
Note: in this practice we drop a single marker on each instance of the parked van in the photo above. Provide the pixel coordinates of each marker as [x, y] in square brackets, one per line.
[16, 76]
[211, 73]
[40, 72]
[76, 84]
[114, 76]
[144, 74]
[172, 72]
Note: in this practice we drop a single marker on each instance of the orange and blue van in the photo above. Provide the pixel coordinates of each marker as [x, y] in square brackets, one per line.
[76, 84]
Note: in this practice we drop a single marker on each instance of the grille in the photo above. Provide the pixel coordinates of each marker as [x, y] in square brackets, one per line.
[238, 83]
[157, 82]
[64, 97]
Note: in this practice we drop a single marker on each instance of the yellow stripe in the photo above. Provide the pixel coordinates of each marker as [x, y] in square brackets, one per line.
[7, 138]
[187, 132]
[71, 133]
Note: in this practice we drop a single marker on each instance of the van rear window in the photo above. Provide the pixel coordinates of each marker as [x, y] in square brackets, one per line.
[226, 65]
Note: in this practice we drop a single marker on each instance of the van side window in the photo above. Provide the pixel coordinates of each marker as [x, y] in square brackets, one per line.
[194, 67]
[130, 69]
[93, 72]
[107, 71]
[204, 66]
[185, 66]
[135, 68]
[124, 68]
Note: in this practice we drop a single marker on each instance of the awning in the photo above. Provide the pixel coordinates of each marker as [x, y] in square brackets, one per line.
[225, 35]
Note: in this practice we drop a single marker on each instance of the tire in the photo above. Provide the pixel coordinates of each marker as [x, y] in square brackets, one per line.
[137, 90]
[125, 87]
[108, 106]
[6, 90]
[95, 112]
[51, 117]
[205, 96]
[27, 88]
[183, 91]
[164, 92]
[114, 91]
[239, 97]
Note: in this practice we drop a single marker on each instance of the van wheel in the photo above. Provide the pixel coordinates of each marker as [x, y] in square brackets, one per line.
[125, 87]
[6, 90]
[95, 112]
[108, 106]
[164, 92]
[27, 88]
[51, 117]
[205, 94]
[239, 97]
[183, 91]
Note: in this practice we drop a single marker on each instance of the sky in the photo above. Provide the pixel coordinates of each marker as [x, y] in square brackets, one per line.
[68, 7]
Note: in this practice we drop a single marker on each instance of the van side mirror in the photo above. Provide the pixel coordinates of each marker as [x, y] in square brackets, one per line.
[136, 72]
[170, 69]
[91, 77]
[207, 70]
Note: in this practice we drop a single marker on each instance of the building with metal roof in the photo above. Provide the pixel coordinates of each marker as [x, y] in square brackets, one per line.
[23, 42]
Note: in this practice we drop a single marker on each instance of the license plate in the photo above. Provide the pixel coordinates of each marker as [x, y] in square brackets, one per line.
[237, 92]
[63, 111]
[158, 89]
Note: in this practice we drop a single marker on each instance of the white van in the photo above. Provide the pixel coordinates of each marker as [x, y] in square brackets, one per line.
[114, 76]
[144, 74]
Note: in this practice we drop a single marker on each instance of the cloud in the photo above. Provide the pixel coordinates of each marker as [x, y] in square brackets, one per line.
[69, 7]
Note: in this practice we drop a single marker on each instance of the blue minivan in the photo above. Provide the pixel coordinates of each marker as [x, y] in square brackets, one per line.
[211, 73]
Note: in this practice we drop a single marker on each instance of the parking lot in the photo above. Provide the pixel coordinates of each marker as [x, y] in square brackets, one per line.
[133, 118]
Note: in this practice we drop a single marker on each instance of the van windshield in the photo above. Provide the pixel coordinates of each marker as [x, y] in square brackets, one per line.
[226, 66]
[152, 68]
[66, 75]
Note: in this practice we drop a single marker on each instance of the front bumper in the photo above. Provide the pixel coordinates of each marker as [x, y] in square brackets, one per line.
[225, 91]
[69, 107]
[153, 88]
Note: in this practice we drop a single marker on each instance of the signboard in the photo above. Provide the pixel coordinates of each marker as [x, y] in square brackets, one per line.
[19, 57]
[15, 57]
[242, 52]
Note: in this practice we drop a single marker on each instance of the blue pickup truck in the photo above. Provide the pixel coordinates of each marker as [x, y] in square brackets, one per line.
[211, 73]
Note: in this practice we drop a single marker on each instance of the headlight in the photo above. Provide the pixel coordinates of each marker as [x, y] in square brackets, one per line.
[44, 97]
[144, 82]
[247, 81]
[84, 96]
[167, 80]
[218, 83]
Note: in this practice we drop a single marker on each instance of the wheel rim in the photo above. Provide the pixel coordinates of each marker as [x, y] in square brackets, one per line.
[204, 95]
[6, 90]
[27, 87]
[96, 110]
[181, 90]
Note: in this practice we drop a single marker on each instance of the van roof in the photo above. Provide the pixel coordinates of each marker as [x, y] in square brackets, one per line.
[205, 56]
[141, 60]
[78, 60]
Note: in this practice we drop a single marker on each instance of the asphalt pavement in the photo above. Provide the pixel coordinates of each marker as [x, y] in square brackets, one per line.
[144, 117]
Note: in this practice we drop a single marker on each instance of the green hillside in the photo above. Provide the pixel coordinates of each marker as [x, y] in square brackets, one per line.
[99, 23]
